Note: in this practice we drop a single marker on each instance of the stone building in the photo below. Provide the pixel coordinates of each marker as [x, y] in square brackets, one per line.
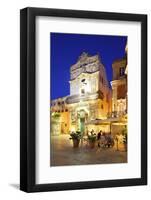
[89, 99]
[119, 95]
[119, 87]
[92, 103]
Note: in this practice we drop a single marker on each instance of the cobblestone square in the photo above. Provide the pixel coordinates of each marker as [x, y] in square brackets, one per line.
[63, 153]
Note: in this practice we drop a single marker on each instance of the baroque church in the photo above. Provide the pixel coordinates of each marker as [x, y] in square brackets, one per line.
[92, 103]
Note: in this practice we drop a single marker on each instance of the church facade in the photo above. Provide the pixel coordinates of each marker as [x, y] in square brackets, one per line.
[89, 98]
[92, 103]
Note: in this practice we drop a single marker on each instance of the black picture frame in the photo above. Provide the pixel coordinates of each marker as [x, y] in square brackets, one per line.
[28, 99]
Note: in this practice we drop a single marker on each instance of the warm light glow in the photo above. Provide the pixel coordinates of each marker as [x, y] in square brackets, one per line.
[89, 103]
[73, 129]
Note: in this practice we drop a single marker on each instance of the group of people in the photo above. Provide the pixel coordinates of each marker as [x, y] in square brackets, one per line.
[103, 139]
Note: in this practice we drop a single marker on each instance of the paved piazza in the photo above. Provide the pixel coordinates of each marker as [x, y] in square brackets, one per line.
[62, 153]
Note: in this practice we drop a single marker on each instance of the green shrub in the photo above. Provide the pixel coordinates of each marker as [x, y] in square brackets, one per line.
[92, 137]
[75, 135]
[124, 132]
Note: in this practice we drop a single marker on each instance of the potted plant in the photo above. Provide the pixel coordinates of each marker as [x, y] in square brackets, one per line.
[125, 138]
[92, 138]
[75, 137]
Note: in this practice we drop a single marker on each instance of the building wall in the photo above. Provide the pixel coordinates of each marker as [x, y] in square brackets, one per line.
[117, 129]
[119, 93]
[117, 64]
[119, 86]
[86, 82]
[64, 122]
[97, 128]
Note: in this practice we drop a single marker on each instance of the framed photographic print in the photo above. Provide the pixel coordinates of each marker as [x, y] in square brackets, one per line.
[83, 99]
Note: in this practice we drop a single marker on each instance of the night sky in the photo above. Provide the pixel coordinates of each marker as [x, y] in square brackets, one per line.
[66, 48]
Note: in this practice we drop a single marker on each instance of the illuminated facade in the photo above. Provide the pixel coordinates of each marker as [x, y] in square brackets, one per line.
[119, 87]
[118, 115]
[89, 98]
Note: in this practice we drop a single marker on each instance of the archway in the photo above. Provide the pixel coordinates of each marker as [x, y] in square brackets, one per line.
[82, 118]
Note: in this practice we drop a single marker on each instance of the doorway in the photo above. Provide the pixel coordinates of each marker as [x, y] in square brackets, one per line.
[82, 125]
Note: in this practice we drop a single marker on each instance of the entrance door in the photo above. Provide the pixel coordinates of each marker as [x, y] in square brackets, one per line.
[82, 125]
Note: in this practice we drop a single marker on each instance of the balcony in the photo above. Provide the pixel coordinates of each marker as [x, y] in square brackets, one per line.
[116, 114]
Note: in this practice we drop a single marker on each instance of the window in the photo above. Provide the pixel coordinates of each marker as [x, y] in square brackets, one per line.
[122, 71]
[82, 91]
[83, 80]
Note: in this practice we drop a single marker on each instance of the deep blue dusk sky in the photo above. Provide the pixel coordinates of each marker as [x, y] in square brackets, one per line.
[66, 48]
